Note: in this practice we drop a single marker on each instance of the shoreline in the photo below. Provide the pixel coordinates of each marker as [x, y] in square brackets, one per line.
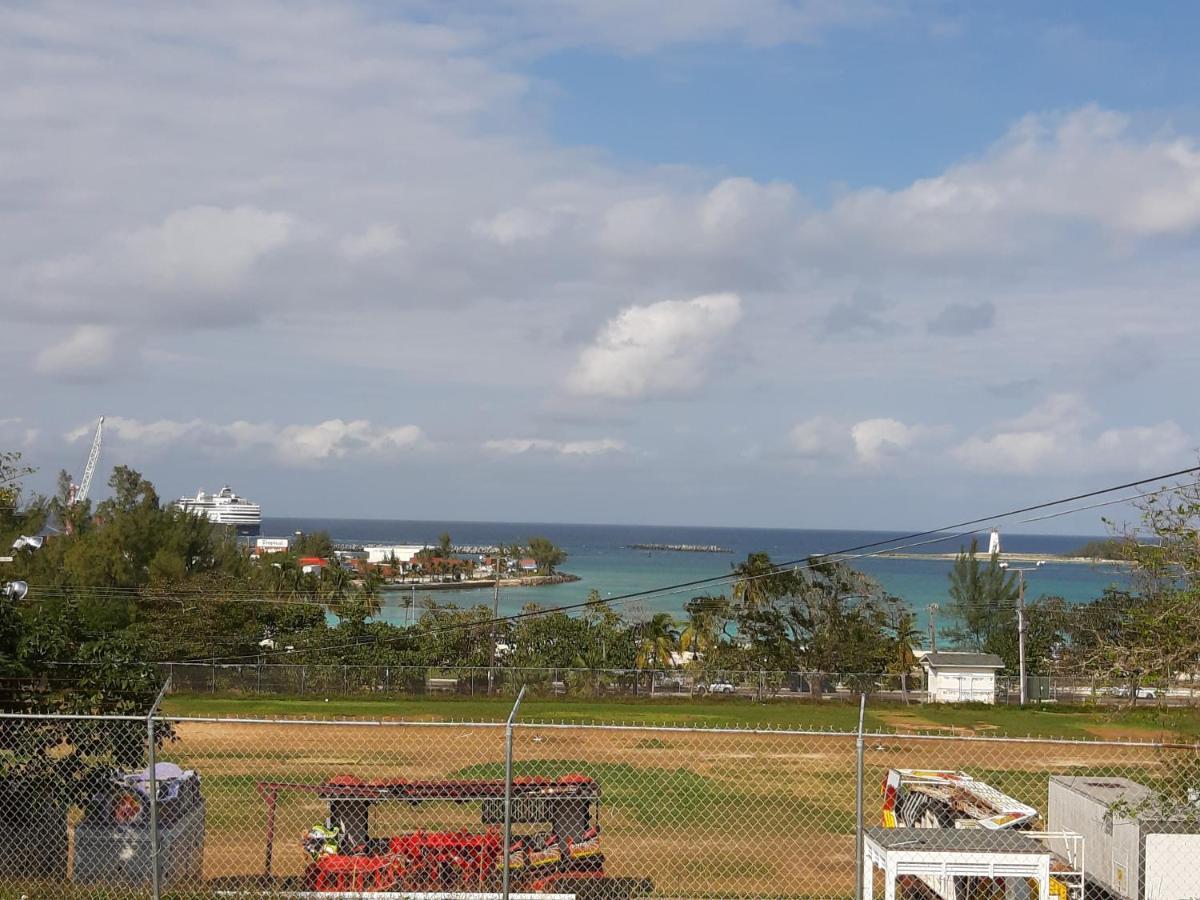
[479, 583]
[1012, 557]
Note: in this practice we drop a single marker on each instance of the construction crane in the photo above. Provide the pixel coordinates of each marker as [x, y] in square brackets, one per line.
[79, 491]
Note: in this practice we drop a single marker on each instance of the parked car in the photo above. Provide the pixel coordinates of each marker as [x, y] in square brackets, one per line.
[1143, 693]
[718, 687]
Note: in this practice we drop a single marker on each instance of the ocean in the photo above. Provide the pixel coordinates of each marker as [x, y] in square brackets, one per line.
[600, 555]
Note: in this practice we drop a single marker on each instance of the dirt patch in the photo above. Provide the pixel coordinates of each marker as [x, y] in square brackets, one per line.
[1128, 733]
[702, 813]
[909, 723]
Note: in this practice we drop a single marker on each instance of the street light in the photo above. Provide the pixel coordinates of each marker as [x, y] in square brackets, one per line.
[1021, 624]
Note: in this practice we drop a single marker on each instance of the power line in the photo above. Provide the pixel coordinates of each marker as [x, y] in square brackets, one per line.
[857, 552]
[253, 595]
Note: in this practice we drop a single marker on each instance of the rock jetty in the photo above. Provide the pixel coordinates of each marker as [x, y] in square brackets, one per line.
[681, 548]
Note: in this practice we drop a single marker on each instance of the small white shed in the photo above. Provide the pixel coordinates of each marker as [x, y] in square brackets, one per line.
[955, 677]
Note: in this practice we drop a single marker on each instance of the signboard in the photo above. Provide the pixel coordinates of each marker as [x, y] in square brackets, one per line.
[271, 545]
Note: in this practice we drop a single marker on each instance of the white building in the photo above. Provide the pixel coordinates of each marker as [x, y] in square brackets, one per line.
[961, 677]
[380, 554]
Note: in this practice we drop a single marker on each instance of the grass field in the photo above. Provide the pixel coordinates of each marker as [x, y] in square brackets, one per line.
[725, 712]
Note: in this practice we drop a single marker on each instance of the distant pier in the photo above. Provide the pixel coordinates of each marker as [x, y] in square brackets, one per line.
[681, 548]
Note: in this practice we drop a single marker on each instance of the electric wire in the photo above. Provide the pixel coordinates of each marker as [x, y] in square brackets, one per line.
[940, 535]
[813, 560]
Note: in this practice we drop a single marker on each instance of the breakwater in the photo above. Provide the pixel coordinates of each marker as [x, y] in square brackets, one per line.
[681, 548]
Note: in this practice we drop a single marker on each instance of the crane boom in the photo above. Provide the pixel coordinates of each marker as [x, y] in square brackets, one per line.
[89, 470]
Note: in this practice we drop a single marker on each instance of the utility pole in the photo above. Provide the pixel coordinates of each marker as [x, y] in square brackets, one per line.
[495, 616]
[933, 611]
[1022, 625]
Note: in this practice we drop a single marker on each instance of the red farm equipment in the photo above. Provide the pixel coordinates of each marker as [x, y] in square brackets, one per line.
[562, 856]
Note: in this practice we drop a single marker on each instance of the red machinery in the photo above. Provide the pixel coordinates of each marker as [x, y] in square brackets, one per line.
[563, 856]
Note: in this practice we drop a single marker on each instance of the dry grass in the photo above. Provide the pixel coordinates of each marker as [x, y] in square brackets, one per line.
[722, 813]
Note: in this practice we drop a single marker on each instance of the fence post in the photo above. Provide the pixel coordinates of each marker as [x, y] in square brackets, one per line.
[859, 874]
[508, 785]
[152, 785]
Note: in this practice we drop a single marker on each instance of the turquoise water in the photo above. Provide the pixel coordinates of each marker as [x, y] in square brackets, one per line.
[599, 554]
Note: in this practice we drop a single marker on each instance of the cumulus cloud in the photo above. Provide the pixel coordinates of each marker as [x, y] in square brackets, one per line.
[663, 348]
[88, 352]
[1048, 175]
[870, 443]
[203, 248]
[820, 436]
[738, 219]
[1062, 434]
[878, 440]
[297, 445]
[518, 446]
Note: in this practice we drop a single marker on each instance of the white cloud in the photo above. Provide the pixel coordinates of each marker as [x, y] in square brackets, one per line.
[89, 352]
[297, 445]
[1060, 435]
[171, 272]
[870, 442]
[375, 241]
[663, 348]
[205, 247]
[737, 219]
[517, 446]
[820, 436]
[1048, 175]
[878, 440]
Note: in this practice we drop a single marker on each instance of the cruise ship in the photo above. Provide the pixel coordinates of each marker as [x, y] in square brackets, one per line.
[225, 508]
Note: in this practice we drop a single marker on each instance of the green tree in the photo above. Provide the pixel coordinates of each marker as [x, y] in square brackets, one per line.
[982, 598]
[903, 625]
[315, 543]
[757, 582]
[657, 641]
[445, 544]
[708, 616]
[546, 554]
[1044, 627]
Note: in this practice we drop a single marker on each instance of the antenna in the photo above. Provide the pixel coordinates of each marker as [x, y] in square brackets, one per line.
[79, 493]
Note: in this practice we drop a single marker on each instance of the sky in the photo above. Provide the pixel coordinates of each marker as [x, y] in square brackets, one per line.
[794, 263]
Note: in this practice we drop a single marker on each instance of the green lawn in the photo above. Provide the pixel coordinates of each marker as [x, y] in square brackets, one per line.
[712, 712]
[720, 712]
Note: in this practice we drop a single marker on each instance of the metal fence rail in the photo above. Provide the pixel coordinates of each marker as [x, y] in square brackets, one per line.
[303, 808]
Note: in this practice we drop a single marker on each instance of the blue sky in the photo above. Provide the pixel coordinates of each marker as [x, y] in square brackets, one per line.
[780, 263]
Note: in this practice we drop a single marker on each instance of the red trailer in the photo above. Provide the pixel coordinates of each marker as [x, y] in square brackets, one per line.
[562, 856]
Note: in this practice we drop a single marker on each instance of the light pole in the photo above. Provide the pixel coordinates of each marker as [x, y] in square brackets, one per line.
[1021, 624]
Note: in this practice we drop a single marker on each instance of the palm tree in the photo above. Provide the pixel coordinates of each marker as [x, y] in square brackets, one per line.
[701, 634]
[657, 644]
[904, 624]
[752, 584]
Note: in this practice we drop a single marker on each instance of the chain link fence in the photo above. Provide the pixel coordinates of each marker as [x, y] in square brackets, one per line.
[322, 808]
[306, 680]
